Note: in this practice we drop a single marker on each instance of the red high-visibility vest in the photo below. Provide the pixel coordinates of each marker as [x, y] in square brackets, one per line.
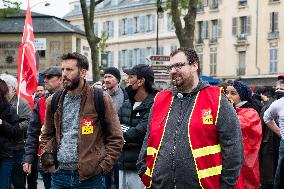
[203, 136]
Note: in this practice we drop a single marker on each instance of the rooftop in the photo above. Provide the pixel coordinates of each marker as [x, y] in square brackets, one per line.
[41, 24]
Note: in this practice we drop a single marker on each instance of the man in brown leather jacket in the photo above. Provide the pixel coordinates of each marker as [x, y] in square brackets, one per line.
[73, 138]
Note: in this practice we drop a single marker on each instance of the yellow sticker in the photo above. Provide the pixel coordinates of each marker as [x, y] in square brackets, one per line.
[208, 119]
[86, 130]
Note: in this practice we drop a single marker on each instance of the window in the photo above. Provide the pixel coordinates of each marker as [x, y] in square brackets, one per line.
[96, 29]
[243, 2]
[202, 31]
[241, 70]
[213, 64]
[150, 23]
[142, 24]
[170, 23]
[173, 47]
[200, 6]
[241, 27]
[109, 62]
[123, 58]
[273, 21]
[214, 4]
[76, 7]
[142, 56]
[136, 56]
[214, 31]
[122, 27]
[108, 28]
[273, 60]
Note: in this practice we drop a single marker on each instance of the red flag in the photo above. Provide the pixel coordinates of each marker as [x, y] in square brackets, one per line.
[27, 73]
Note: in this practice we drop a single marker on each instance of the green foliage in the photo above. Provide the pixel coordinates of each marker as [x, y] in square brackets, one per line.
[10, 8]
[103, 44]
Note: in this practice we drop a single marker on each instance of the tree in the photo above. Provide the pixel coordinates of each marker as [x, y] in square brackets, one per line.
[93, 40]
[186, 9]
[10, 7]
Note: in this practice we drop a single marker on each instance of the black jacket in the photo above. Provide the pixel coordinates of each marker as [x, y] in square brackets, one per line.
[9, 129]
[31, 146]
[137, 120]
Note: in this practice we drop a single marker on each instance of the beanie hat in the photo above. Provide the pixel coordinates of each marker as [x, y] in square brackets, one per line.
[243, 90]
[113, 71]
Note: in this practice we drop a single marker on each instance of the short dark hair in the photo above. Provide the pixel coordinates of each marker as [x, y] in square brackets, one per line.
[3, 91]
[82, 61]
[190, 54]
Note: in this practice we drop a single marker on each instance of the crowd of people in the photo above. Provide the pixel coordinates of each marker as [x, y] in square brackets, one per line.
[103, 136]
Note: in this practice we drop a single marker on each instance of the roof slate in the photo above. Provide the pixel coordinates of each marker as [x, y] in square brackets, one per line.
[41, 24]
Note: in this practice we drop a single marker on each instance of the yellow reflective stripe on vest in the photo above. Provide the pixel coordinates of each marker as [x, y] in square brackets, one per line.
[148, 172]
[210, 172]
[208, 150]
[151, 151]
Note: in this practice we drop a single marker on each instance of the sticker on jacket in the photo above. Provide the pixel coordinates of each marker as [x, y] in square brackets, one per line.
[207, 116]
[87, 126]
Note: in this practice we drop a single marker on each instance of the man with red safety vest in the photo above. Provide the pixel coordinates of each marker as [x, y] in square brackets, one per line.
[194, 138]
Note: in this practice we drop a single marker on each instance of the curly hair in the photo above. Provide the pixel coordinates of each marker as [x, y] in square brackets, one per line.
[190, 54]
[82, 61]
[3, 91]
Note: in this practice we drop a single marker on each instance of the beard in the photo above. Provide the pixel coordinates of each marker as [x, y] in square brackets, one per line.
[73, 85]
[182, 83]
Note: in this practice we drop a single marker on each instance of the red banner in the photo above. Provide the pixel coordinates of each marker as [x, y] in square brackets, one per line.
[27, 73]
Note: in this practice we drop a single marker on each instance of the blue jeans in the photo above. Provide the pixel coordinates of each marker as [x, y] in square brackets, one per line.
[277, 179]
[6, 166]
[63, 179]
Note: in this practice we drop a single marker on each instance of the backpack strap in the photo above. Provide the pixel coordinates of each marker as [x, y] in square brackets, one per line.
[99, 104]
[55, 99]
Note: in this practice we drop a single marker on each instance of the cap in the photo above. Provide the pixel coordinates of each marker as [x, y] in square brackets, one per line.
[52, 71]
[141, 70]
[113, 71]
[281, 76]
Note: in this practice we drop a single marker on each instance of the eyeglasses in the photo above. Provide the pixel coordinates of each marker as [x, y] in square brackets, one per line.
[177, 66]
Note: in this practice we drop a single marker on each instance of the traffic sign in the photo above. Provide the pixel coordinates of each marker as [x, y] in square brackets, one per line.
[159, 58]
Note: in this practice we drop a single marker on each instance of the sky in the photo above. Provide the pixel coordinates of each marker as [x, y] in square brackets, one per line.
[57, 8]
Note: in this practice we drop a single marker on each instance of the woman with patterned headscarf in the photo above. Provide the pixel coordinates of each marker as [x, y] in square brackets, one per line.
[241, 96]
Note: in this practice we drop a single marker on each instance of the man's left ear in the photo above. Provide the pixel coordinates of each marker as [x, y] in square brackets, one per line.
[83, 73]
[141, 82]
[195, 66]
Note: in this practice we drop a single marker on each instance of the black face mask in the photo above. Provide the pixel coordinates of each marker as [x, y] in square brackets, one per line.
[279, 94]
[131, 92]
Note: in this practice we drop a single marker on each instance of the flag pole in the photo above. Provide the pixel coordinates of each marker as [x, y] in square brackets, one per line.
[21, 77]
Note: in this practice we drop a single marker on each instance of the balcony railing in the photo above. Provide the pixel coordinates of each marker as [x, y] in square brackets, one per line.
[273, 35]
[242, 37]
[214, 40]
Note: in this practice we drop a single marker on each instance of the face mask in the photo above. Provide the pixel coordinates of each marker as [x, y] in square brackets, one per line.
[279, 93]
[131, 92]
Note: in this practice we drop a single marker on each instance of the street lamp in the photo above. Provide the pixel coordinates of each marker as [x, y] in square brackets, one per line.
[46, 4]
[160, 14]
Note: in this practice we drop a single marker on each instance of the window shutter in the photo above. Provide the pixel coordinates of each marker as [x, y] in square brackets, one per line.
[275, 21]
[119, 60]
[153, 23]
[142, 20]
[271, 21]
[234, 26]
[248, 25]
[206, 34]
[219, 28]
[111, 25]
[120, 28]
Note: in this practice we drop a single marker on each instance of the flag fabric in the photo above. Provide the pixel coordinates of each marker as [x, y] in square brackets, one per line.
[27, 72]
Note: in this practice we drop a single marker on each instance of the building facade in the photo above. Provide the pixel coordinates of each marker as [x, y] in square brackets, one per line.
[234, 38]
